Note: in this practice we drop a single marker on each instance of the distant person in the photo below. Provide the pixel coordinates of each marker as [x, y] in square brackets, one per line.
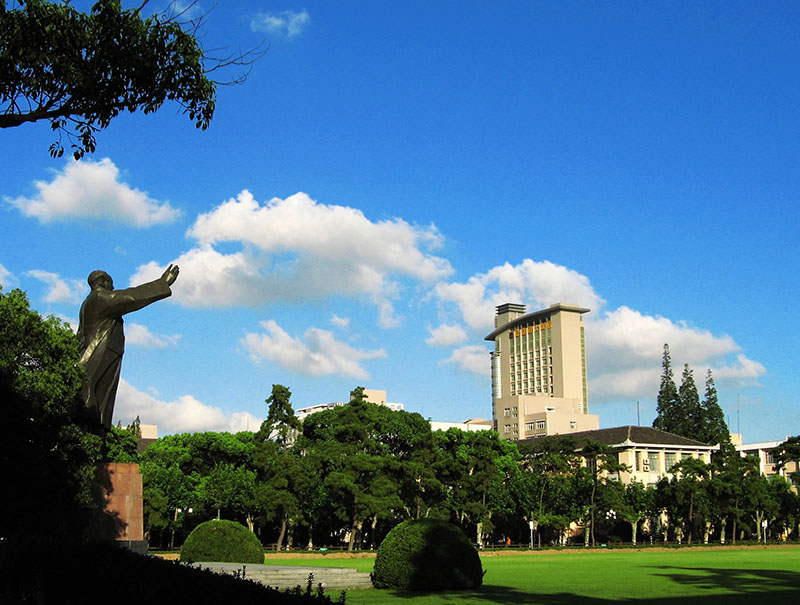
[102, 337]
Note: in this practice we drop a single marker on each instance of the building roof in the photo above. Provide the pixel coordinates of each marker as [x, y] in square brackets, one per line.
[635, 435]
[534, 316]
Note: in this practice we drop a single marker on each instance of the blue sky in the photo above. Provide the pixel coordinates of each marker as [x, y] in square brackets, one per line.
[389, 172]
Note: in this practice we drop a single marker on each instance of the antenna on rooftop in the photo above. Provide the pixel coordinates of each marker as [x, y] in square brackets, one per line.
[638, 418]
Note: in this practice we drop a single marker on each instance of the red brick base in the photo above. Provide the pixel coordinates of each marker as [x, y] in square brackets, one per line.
[125, 499]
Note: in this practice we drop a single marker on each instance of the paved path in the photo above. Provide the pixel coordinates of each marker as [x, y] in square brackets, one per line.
[289, 576]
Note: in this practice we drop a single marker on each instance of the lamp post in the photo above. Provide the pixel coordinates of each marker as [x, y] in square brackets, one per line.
[530, 524]
[178, 511]
[611, 516]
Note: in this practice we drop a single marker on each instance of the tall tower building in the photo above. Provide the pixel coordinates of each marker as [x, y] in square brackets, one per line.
[539, 372]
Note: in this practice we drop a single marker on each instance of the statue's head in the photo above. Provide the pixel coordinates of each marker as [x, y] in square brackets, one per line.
[100, 279]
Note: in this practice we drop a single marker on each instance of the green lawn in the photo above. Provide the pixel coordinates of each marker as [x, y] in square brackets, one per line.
[714, 575]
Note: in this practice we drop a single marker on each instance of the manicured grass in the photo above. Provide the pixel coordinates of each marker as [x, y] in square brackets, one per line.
[716, 575]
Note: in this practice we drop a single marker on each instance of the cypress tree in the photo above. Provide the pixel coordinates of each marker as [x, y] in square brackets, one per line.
[667, 401]
[714, 426]
[690, 415]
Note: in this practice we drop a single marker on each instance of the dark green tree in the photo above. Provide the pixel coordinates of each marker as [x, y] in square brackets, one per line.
[731, 474]
[680, 410]
[281, 424]
[715, 429]
[275, 499]
[690, 416]
[550, 466]
[723, 487]
[668, 418]
[362, 449]
[601, 462]
[121, 444]
[80, 70]
[231, 488]
[176, 470]
[785, 519]
[760, 502]
[357, 395]
[786, 453]
[634, 505]
[475, 469]
[689, 498]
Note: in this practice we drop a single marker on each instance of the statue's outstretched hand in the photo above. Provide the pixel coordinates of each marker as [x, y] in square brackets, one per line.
[171, 274]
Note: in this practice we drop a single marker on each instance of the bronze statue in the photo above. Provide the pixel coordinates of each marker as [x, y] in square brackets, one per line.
[102, 338]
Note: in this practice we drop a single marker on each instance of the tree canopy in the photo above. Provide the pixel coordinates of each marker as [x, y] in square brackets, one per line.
[667, 401]
[80, 70]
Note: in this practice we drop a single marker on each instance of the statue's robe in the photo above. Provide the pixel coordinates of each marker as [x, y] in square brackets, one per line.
[102, 340]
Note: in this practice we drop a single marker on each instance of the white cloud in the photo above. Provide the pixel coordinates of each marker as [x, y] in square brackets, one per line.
[624, 346]
[340, 322]
[538, 283]
[187, 9]
[742, 371]
[72, 322]
[185, 415]
[92, 190]
[61, 290]
[137, 334]
[624, 350]
[472, 358]
[289, 23]
[6, 277]
[297, 249]
[317, 354]
[446, 336]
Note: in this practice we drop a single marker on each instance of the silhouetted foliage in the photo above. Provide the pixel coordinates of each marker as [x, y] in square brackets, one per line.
[102, 573]
[48, 460]
[79, 70]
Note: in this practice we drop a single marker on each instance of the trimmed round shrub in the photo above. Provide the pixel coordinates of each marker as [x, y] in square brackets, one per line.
[222, 541]
[427, 554]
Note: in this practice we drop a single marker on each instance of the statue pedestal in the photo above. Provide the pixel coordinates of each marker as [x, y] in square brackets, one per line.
[123, 496]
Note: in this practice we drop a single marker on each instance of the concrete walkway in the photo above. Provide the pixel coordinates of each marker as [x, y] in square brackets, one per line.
[289, 576]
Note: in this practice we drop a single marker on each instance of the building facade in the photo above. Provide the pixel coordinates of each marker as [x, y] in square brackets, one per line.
[765, 451]
[468, 426]
[539, 372]
[648, 453]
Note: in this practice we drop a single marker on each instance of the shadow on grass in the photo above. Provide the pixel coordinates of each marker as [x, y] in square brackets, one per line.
[758, 586]
[762, 583]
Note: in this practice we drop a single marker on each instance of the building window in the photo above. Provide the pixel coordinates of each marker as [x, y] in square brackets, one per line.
[507, 428]
[669, 460]
[771, 457]
[540, 424]
[507, 412]
[685, 455]
[529, 426]
[652, 459]
[573, 424]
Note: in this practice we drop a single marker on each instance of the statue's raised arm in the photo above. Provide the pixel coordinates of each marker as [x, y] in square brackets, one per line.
[102, 338]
